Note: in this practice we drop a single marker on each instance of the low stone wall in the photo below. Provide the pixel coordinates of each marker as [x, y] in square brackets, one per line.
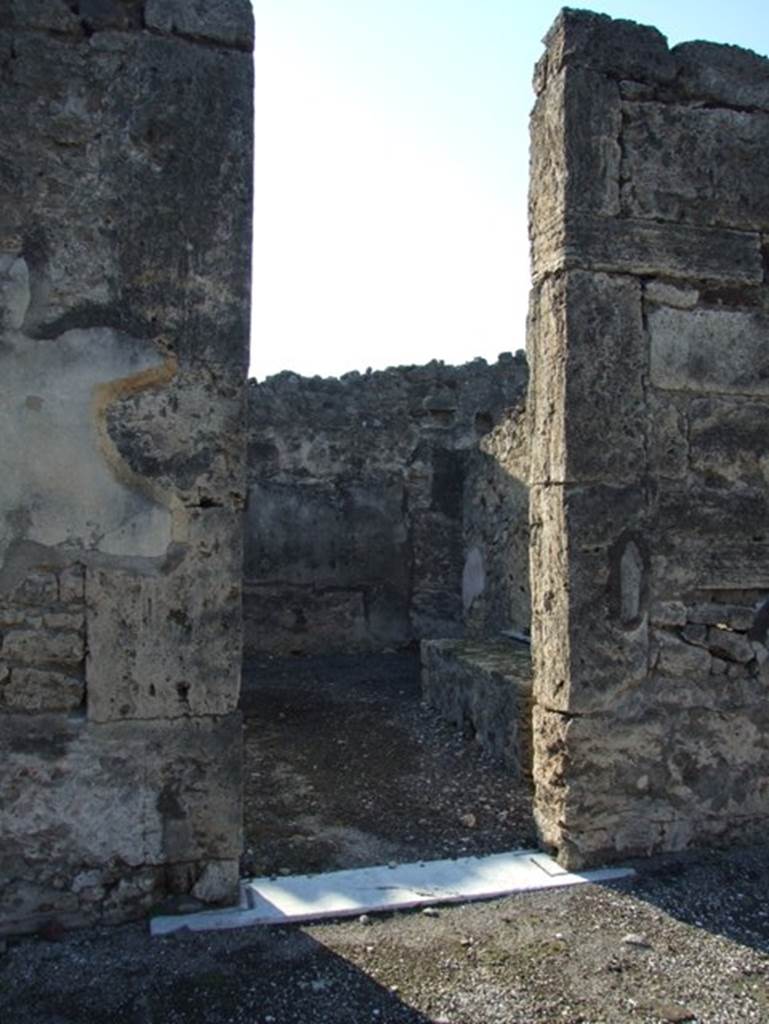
[484, 687]
[372, 496]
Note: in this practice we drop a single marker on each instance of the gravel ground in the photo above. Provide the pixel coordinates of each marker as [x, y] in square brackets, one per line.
[344, 767]
[688, 940]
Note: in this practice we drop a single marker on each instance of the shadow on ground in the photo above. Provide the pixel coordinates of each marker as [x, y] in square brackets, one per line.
[262, 976]
[721, 891]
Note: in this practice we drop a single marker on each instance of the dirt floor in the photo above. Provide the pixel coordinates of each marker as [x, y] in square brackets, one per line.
[344, 767]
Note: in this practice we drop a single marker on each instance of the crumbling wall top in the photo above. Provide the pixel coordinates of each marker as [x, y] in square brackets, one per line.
[226, 23]
[435, 392]
[629, 52]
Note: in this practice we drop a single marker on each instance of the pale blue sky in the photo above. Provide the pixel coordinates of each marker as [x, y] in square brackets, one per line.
[392, 168]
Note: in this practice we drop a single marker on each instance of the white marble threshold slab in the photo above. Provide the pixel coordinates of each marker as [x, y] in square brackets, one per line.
[304, 898]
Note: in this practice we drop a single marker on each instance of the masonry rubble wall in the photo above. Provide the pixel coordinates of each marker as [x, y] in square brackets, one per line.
[649, 345]
[125, 180]
[385, 507]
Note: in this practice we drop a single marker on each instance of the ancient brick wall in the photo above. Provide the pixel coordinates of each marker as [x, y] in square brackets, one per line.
[649, 342]
[125, 179]
[365, 502]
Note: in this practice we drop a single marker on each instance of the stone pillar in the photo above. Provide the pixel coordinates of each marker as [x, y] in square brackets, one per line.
[125, 191]
[648, 333]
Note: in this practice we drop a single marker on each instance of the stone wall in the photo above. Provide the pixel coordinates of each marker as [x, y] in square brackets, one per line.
[495, 579]
[650, 494]
[372, 498]
[125, 169]
[483, 687]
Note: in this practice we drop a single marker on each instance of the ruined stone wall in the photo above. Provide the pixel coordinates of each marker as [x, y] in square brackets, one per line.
[364, 498]
[495, 578]
[649, 342]
[125, 179]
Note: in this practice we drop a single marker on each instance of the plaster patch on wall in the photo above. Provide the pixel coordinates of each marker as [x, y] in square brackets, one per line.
[62, 482]
[631, 572]
[14, 290]
[473, 577]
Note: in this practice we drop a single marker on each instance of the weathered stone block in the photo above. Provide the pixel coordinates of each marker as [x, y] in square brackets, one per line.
[735, 616]
[695, 518]
[549, 595]
[227, 22]
[72, 621]
[218, 882]
[727, 439]
[54, 15]
[545, 335]
[161, 793]
[729, 645]
[72, 584]
[589, 602]
[666, 294]
[587, 393]
[668, 613]
[588, 767]
[617, 48]
[101, 15]
[42, 690]
[575, 124]
[668, 433]
[695, 165]
[19, 617]
[187, 438]
[678, 251]
[671, 656]
[694, 633]
[724, 75]
[636, 90]
[708, 350]
[169, 645]
[603, 788]
[36, 588]
[37, 646]
[680, 562]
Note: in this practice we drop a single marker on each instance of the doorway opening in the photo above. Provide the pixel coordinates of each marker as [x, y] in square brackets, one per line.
[386, 611]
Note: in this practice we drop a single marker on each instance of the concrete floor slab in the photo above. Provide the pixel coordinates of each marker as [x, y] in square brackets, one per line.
[385, 888]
